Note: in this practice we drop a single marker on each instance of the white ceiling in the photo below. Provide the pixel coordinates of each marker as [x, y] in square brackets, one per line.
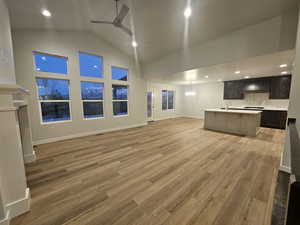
[158, 24]
[261, 66]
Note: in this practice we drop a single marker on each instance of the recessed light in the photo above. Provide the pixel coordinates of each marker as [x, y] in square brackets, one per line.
[284, 72]
[246, 77]
[283, 65]
[237, 72]
[220, 80]
[134, 44]
[46, 13]
[187, 12]
[206, 76]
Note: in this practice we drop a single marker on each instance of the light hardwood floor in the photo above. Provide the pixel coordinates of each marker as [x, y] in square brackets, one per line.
[170, 172]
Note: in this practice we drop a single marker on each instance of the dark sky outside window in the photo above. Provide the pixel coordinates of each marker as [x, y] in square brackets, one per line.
[120, 92]
[50, 89]
[90, 65]
[91, 91]
[50, 64]
[119, 73]
[55, 111]
[120, 108]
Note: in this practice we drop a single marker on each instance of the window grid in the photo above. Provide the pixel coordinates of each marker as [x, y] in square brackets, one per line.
[93, 100]
[41, 101]
[121, 100]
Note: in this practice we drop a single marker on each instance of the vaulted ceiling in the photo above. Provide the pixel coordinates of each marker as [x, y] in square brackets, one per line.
[159, 24]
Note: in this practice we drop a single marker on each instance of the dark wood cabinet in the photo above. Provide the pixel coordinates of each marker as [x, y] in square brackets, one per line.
[274, 119]
[257, 85]
[280, 87]
[234, 89]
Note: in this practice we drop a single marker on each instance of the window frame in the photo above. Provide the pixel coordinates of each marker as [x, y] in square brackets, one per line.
[40, 101]
[97, 100]
[50, 73]
[90, 77]
[121, 100]
[167, 109]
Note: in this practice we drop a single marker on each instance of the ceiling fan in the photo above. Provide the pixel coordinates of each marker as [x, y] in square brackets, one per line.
[117, 22]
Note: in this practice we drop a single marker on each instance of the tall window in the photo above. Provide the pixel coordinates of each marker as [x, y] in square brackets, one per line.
[54, 99]
[119, 73]
[92, 98]
[50, 63]
[53, 92]
[167, 99]
[120, 99]
[90, 65]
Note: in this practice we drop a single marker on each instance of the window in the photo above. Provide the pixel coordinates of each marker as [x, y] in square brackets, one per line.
[120, 100]
[54, 99]
[119, 73]
[50, 63]
[90, 65]
[92, 97]
[167, 99]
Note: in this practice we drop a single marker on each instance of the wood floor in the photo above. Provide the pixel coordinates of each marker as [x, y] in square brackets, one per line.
[171, 172]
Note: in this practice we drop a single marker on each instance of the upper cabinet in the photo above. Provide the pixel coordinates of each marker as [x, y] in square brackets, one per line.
[278, 87]
[233, 90]
[257, 85]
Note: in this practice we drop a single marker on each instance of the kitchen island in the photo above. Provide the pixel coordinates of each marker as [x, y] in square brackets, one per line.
[241, 122]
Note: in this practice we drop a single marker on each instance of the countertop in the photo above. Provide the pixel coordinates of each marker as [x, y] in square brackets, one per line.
[265, 108]
[234, 111]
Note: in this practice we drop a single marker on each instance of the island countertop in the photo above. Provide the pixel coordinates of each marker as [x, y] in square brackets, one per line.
[233, 111]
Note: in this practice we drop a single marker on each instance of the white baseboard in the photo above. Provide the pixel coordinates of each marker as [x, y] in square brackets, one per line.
[285, 169]
[6, 220]
[167, 117]
[194, 117]
[30, 158]
[20, 206]
[50, 140]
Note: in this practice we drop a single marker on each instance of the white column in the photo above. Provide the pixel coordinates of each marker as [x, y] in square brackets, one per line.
[14, 192]
[26, 136]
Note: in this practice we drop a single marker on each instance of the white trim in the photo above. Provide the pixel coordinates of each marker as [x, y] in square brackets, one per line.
[8, 109]
[5, 221]
[194, 117]
[20, 206]
[29, 158]
[50, 140]
[285, 169]
[168, 117]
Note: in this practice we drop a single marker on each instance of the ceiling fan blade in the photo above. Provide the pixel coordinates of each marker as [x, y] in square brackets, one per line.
[127, 30]
[100, 21]
[123, 13]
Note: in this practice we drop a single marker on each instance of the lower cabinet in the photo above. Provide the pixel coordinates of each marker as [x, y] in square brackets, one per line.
[274, 119]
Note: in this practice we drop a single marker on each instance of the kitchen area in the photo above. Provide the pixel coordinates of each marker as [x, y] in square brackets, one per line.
[249, 104]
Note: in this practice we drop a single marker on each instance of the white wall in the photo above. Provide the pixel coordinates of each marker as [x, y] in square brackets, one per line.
[270, 36]
[7, 70]
[210, 95]
[158, 113]
[68, 44]
[294, 107]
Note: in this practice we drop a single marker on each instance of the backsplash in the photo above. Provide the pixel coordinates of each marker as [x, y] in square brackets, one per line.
[258, 99]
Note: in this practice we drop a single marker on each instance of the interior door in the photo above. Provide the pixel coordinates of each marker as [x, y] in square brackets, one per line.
[150, 106]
